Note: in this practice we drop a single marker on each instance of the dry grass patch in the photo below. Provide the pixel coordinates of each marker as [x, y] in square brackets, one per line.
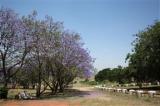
[87, 96]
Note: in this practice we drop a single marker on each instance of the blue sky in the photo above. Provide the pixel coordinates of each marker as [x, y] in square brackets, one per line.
[106, 26]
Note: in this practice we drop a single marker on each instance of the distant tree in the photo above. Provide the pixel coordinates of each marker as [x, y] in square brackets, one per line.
[120, 75]
[102, 75]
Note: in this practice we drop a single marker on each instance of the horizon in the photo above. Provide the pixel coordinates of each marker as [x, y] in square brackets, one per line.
[106, 26]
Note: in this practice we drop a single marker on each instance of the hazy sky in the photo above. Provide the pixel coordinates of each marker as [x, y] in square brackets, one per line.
[106, 26]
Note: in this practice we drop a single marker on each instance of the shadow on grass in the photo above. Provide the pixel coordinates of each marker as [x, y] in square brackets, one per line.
[68, 93]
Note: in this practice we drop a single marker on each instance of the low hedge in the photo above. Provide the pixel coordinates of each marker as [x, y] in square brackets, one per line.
[3, 93]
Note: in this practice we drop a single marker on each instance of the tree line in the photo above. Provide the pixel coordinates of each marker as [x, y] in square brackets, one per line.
[40, 52]
[119, 74]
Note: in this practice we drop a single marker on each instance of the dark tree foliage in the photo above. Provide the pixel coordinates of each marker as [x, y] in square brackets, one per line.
[102, 75]
[119, 74]
[144, 62]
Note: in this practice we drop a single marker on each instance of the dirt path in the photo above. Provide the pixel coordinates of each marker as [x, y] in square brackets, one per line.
[34, 103]
[94, 94]
[90, 92]
[87, 93]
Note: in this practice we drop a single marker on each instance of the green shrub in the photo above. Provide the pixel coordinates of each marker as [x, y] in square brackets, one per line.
[89, 82]
[92, 83]
[3, 93]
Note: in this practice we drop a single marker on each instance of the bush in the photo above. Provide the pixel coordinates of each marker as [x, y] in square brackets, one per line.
[3, 93]
[89, 82]
[92, 83]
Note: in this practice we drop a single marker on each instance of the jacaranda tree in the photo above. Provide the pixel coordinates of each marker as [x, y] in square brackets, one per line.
[54, 56]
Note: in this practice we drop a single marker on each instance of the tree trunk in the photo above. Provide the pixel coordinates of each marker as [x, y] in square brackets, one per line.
[5, 84]
[139, 84]
[61, 87]
[33, 86]
[54, 91]
[56, 88]
[38, 91]
[4, 72]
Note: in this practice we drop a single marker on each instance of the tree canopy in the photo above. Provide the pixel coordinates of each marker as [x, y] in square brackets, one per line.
[119, 75]
[144, 61]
